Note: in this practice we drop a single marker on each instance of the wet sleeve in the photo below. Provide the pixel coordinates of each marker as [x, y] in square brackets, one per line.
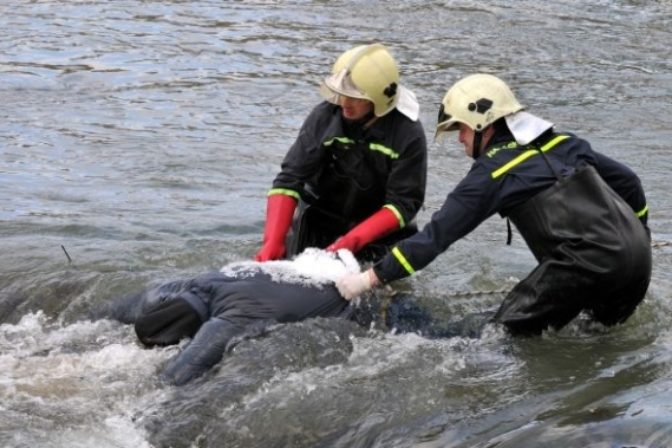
[203, 352]
[408, 178]
[624, 182]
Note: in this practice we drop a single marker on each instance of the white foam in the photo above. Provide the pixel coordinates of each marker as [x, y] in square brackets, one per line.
[313, 267]
[114, 432]
[82, 382]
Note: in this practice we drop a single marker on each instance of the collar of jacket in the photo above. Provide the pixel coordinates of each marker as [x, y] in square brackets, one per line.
[376, 131]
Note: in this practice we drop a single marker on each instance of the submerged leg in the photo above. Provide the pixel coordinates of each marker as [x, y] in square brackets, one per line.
[551, 296]
[617, 307]
[203, 352]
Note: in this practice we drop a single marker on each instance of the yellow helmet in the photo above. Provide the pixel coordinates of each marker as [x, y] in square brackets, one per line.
[477, 101]
[366, 72]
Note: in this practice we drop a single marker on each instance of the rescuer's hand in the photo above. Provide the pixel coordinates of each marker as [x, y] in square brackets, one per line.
[351, 286]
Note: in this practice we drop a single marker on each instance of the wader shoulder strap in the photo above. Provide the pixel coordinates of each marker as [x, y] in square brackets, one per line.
[509, 233]
[548, 162]
[542, 150]
[546, 147]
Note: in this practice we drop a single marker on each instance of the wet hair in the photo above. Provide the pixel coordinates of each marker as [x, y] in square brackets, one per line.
[167, 322]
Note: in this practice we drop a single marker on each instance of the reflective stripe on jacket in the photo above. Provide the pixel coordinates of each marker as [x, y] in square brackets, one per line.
[355, 172]
[505, 176]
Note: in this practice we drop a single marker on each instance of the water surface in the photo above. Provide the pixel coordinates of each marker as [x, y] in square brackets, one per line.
[142, 136]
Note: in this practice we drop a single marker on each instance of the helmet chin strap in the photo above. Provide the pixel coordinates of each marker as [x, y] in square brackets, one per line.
[476, 144]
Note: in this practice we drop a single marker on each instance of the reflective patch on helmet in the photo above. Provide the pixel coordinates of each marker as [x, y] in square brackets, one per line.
[480, 106]
[390, 90]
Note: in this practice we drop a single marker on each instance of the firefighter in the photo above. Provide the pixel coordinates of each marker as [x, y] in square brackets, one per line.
[582, 214]
[355, 176]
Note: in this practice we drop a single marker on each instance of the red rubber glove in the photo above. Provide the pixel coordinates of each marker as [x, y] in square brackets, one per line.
[376, 226]
[279, 214]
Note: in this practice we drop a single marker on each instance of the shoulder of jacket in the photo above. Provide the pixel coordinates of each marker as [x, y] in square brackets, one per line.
[396, 127]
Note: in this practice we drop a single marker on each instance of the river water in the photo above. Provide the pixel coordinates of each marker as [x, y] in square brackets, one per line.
[141, 137]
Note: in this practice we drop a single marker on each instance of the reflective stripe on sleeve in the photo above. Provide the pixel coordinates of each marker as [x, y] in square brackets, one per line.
[285, 191]
[526, 155]
[402, 260]
[396, 212]
[643, 211]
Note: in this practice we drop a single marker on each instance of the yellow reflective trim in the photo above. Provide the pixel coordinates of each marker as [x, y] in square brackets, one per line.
[491, 152]
[518, 160]
[402, 260]
[526, 155]
[384, 149]
[344, 140]
[643, 211]
[395, 210]
[392, 154]
[554, 142]
[285, 191]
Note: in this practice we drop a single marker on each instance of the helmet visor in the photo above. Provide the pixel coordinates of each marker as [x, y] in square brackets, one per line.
[340, 83]
[445, 122]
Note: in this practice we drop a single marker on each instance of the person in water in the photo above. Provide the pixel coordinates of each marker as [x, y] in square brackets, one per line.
[357, 170]
[217, 308]
[582, 214]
